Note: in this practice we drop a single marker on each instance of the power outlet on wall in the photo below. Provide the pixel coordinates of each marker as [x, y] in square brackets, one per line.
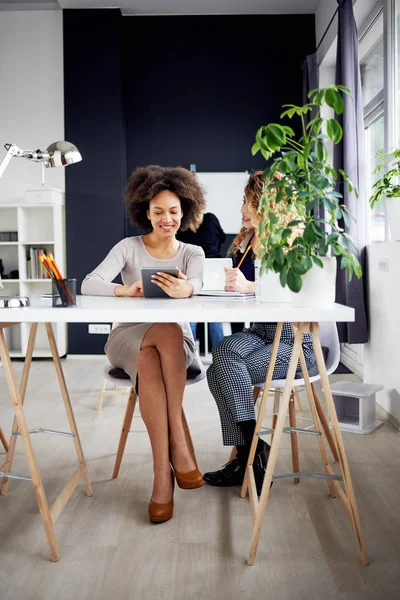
[384, 264]
[99, 328]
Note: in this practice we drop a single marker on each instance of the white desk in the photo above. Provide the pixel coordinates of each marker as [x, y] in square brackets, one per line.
[101, 309]
[91, 309]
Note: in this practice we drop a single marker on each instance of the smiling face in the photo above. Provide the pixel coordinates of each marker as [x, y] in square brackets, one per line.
[249, 218]
[165, 214]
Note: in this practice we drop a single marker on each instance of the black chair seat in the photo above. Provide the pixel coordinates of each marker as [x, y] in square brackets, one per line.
[191, 372]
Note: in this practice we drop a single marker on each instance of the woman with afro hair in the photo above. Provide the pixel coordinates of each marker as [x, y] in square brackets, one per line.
[160, 201]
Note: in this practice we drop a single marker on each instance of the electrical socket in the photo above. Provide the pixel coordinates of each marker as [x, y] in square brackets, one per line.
[99, 328]
[384, 264]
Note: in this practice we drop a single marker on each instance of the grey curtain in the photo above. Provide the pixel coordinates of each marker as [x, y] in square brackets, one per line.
[349, 156]
[310, 82]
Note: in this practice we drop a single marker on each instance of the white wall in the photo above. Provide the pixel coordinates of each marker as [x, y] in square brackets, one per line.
[32, 95]
[382, 353]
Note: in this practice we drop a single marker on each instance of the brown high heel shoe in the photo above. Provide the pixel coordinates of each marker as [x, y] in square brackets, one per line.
[159, 513]
[190, 480]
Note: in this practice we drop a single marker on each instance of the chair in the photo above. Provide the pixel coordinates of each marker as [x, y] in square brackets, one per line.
[3, 440]
[130, 408]
[330, 340]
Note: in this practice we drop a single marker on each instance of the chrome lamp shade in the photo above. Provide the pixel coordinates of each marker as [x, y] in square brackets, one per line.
[61, 154]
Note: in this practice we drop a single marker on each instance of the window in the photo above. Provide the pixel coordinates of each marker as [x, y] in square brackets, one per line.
[372, 66]
[374, 141]
[372, 63]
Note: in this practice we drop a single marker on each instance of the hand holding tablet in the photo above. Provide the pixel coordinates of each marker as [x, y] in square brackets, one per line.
[163, 282]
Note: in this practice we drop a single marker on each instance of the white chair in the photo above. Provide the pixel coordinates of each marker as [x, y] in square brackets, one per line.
[130, 408]
[330, 340]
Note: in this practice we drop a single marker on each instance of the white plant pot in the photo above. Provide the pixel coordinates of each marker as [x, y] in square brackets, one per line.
[268, 287]
[393, 211]
[318, 285]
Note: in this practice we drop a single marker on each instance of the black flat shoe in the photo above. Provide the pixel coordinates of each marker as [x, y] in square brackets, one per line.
[231, 474]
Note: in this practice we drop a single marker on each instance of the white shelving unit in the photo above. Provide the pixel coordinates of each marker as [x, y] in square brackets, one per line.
[38, 225]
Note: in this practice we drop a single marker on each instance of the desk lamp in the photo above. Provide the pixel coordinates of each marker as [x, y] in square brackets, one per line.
[58, 154]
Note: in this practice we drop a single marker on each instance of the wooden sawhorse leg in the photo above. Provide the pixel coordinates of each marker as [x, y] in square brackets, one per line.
[22, 390]
[258, 506]
[49, 515]
[126, 425]
[324, 424]
[3, 440]
[347, 497]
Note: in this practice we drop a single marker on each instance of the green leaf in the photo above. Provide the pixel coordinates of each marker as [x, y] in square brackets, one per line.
[279, 256]
[310, 205]
[317, 230]
[293, 281]
[344, 89]
[288, 130]
[317, 261]
[292, 110]
[329, 204]
[319, 150]
[309, 235]
[266, 153]
[293, 223]
[255, 148]
[283, 276]
[273, 218]
[275, 136]
[275, 237]
[334, 100]
[344, 262]
[319, 97]
[334, 130]
[316, 125]
[346, 218]
[299, 268]
[307, 150]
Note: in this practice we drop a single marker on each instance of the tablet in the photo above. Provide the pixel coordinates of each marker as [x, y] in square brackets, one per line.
[150, 289]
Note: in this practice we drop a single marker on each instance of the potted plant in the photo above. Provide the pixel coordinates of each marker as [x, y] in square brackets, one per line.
[388, 187]
[307, 246]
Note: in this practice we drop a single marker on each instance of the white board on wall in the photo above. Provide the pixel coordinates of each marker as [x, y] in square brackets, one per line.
[224, 195]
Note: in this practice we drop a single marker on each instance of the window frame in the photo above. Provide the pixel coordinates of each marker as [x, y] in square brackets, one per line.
[382, 102]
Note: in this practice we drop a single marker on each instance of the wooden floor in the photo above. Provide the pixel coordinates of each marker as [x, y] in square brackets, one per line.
[110, 551]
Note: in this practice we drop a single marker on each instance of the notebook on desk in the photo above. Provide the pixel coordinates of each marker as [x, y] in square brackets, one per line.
[223, 294]
[214, 279]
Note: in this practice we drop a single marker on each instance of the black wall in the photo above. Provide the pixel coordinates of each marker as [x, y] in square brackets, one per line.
[170, 91]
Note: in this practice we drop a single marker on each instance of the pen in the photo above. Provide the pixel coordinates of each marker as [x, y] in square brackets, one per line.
[244, 256]
[45, 263]
[53, 265]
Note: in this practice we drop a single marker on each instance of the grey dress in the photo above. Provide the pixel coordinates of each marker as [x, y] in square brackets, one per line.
[127, 258]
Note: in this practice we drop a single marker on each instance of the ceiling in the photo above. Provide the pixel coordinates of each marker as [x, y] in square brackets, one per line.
[173, 7]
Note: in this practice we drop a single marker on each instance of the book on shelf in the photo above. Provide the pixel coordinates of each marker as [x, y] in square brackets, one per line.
[34, 268]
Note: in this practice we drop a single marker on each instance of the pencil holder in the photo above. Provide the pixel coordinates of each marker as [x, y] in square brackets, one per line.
[64, 292]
